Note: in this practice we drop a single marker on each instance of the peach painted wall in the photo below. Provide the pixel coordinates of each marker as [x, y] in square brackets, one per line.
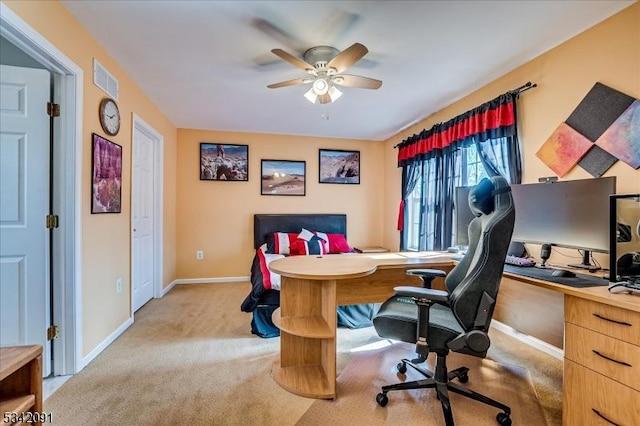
[217, 217]
[106, 237]
[608, 53]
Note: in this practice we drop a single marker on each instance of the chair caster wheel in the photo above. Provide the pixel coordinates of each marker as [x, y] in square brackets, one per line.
[402, 367]
[503, 419]
[382, 399]
[464, 378]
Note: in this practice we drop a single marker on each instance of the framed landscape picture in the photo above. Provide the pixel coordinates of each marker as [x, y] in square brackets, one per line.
[106, 184]
[283, 177]
[339, 166]
[226, 162]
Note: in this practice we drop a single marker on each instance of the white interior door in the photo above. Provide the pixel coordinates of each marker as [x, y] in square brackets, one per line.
[142, 203]
[24, 204]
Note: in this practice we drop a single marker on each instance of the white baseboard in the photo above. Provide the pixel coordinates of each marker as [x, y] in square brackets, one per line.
[211, 280]
[168, 288]
[529, 340]
[106, 342]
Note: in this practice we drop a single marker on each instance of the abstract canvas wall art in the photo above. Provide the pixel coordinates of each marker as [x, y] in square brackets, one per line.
[622, 138]
[564, 148]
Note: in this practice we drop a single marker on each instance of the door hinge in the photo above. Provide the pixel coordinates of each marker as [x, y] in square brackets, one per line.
[53, 110]
[51, 221]
[53, 332]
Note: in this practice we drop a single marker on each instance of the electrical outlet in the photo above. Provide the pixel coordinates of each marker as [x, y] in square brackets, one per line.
[199, 254]
[119, 285]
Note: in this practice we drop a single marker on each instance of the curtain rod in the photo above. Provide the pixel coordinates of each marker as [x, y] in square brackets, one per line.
[528, 85]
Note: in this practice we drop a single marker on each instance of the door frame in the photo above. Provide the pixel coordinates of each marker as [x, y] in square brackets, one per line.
[158, 213]
[67, 238]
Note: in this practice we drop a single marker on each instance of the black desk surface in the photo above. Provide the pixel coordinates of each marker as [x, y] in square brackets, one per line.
[579, 281]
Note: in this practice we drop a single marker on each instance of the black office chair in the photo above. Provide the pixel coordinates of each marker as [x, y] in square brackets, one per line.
[456, 319]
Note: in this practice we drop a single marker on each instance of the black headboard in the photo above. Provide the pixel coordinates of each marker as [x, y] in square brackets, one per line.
[266, 224]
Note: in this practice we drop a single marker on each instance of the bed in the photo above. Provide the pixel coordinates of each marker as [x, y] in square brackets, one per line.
[276, 236]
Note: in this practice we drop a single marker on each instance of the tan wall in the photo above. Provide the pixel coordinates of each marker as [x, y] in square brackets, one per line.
[106, 238]
[217, 217]
[608, 53]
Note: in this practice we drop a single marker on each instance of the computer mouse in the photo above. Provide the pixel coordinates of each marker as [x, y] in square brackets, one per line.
[563, 273]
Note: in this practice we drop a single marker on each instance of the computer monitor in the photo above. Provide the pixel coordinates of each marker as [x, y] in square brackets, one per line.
[624, 252]
[571, 213]
[463, 215]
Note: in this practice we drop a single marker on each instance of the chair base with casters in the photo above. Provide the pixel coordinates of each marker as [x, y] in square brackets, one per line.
[442, 382]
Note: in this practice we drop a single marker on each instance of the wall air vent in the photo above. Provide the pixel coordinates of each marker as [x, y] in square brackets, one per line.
[104, 80]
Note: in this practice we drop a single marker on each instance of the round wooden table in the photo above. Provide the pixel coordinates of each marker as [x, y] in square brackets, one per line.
[307, 320]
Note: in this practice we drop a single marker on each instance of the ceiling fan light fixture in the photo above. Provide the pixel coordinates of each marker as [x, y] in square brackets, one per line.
[334, 93]
[320, 86]
[311, 95]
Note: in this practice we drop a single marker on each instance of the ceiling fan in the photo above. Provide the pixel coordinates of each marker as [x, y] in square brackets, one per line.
[325, 65]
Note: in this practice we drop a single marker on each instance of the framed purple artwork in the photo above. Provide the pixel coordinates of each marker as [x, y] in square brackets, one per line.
[106, 183]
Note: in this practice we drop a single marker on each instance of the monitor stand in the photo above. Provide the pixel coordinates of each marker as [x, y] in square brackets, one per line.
[586, 264]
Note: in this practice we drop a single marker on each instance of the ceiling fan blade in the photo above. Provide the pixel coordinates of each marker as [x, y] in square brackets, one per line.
[348, 57]
[324, 99]
[357, 81]
[277, 33]
[288, 83]
[293, 60]
[337, 25]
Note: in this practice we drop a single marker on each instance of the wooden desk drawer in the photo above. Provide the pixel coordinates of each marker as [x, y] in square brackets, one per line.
[588, 397]
[614, 358]
[606, 319]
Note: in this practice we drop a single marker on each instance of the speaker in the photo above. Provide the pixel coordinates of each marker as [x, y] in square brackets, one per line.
[516, 249]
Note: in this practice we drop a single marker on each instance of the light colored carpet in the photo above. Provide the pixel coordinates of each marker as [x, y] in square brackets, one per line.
[190, 359]
[366, 372]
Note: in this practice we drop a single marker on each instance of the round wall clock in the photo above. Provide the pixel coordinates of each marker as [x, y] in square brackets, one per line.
[109, 116]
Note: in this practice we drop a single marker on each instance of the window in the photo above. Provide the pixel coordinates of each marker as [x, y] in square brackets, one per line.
[468, 171]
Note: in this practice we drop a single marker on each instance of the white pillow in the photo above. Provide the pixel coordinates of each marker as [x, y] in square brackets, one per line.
[305, 235]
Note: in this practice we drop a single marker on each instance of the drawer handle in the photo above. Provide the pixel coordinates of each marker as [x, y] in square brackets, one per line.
[604, 418]
[610, 320]
[611, 359]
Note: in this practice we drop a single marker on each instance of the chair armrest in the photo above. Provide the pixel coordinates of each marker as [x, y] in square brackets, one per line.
[433, 273]
[427, 275]
[438, 296]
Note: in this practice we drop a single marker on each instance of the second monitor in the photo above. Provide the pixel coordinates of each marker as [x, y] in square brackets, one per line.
[571, 213]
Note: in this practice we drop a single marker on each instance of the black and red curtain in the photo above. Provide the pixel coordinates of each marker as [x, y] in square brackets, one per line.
[433, 158]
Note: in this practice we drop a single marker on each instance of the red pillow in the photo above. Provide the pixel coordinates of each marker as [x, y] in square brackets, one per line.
[338, 244]
[280, 242]
[301, 247]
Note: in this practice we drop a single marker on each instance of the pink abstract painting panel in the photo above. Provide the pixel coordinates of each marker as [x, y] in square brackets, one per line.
[564, 148]
[622, 138]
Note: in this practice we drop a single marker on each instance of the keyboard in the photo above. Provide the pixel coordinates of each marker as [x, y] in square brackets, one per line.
[519, 261]
[625, 287]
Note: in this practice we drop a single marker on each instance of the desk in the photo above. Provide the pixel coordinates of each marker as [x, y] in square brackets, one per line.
[593, 323]
[311, 289]
[601, 334]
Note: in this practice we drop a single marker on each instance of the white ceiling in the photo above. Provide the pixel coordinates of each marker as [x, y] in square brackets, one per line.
[206, 64]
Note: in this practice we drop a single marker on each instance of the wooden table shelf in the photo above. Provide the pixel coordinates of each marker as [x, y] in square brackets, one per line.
[314, 327]
[310, 381]
[20, 380]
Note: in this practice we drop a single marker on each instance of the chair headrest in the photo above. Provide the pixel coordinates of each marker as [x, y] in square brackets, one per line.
[482, 196]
